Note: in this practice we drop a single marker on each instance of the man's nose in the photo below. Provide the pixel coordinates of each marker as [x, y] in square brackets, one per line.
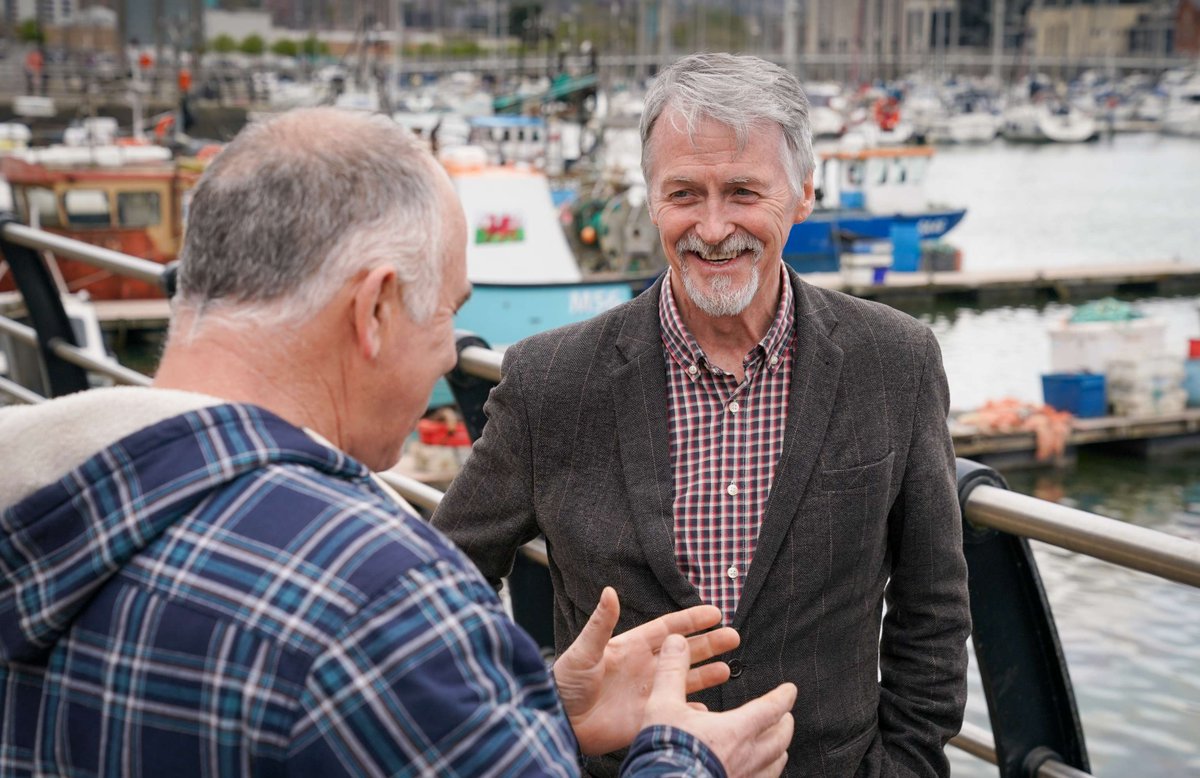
[714, 225]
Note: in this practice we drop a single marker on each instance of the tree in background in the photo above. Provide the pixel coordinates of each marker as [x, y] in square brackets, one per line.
[31, 32]
[253, 45]
[223, 44]
[311, 47]
[285, 48]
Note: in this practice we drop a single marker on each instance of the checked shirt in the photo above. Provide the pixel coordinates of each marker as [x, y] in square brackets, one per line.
[220, 595]
[726, 439]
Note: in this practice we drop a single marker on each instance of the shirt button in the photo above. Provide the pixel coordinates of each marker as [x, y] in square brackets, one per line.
[774, 360]
[735, 668]
[732, 572]
[734, 407]
[731, 490]
[692, 370]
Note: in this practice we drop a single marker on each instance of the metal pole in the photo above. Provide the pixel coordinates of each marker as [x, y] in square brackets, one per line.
[997, 40]
[1138, 548]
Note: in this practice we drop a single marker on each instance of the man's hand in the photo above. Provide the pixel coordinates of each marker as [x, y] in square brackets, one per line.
[750, 741]
[605, 682]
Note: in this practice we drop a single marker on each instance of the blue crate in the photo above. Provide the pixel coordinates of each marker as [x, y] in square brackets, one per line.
[1080, 393]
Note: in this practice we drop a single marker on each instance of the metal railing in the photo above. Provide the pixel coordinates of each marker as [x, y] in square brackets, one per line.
[1035, 725]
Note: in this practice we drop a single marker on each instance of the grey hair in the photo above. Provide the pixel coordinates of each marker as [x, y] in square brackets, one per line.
[297, 204]
[739, 92]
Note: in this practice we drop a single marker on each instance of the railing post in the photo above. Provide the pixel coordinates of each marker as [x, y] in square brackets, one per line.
[470, 392]
[529, 583]
[1025, 679]
[45, 311]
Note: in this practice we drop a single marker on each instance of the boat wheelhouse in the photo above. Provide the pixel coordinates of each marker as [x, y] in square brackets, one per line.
[130, 199]
[872, 194]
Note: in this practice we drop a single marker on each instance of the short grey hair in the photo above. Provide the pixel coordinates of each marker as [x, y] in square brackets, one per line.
[739, 92]
[297, 204]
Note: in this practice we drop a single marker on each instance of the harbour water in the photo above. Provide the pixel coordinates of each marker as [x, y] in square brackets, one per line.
[1132, 641]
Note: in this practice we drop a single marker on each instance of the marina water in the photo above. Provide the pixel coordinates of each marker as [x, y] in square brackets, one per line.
[1132, 641]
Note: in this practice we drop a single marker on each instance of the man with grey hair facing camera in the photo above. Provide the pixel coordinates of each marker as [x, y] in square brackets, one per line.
[205, 578]
[736, 436]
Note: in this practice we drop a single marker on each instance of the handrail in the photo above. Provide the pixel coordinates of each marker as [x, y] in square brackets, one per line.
[1128, 545]
[19, 393]
[425, 496]
[106, 367]
[480, 362]
[22, 332]
[107, 259]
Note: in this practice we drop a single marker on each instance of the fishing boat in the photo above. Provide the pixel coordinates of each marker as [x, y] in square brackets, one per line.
[128, 198]
[869, 194]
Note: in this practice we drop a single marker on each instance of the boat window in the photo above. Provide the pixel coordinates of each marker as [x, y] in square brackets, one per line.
[854, 173]
[877, 171]
[138, 209]
[42, 207]
[917, 166]
[900, 173]
[87, 208]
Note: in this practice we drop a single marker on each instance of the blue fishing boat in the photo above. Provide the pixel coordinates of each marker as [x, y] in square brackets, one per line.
[869, 195]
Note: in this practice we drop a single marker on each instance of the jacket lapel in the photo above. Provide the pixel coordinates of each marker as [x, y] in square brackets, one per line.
[816, 373]
[639, 389]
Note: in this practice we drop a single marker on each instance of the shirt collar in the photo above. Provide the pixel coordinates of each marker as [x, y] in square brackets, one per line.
[684, 349]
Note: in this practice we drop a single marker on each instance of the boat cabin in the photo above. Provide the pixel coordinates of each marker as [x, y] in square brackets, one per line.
[877, 180]
[135, 204]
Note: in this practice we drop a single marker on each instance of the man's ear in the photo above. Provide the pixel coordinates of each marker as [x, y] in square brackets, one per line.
[375, 299]
[804, 207]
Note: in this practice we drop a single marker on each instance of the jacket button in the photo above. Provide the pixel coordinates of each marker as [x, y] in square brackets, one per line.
[735, 668]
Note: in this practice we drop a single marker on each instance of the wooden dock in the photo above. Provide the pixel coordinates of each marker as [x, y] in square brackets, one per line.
[1147, 436]
[1026, 285]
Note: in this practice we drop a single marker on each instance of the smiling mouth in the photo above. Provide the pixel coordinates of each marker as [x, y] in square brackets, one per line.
[715, 259]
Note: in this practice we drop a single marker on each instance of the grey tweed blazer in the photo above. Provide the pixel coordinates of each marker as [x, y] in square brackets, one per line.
[863, 508]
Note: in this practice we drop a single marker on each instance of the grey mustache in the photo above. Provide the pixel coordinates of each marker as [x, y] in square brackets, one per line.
[734, 244]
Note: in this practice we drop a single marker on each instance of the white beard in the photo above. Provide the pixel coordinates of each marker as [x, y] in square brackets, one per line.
[723, 298]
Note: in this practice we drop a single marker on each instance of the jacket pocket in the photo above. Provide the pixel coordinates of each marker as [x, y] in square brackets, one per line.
[876, 474]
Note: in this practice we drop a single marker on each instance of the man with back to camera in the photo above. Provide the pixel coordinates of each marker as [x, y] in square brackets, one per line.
[736, 436]
[204, 577]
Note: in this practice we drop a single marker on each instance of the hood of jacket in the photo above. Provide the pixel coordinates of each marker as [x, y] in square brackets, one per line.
[60, 543]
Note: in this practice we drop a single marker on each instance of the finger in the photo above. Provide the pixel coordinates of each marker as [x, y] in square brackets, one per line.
[707, 676]
[778, 735]
[684, 622]
[670, 676]
[775, 768]
[589, 646]
[709, 644]
[761, 713]
[698, 706]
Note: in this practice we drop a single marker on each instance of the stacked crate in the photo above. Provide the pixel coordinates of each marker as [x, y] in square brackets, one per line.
[1146, 387]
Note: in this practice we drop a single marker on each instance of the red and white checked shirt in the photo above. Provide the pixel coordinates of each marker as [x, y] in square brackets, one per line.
[726, 439]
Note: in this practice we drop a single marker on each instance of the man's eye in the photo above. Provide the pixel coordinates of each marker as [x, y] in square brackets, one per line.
[742, 192]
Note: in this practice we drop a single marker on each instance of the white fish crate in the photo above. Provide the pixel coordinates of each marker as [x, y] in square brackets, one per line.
[1091, 346]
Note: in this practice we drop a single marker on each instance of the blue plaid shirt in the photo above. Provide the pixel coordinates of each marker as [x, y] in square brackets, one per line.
[220, 595]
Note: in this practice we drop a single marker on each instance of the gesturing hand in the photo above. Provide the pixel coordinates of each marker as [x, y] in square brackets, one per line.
[605, 682]
[750, 741]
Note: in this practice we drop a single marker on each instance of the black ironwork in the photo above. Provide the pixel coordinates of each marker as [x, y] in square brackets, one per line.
[470, 392]
[1029, 695]
[46, 312]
